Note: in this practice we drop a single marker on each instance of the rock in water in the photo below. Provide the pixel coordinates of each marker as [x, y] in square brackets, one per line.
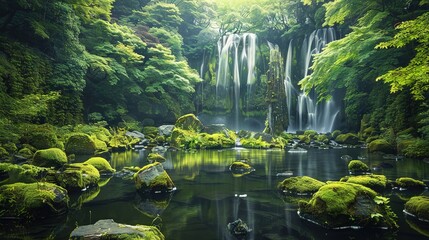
[153, 178]
[108, 229]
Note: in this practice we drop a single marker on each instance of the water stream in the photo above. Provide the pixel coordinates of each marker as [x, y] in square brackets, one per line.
[209, 197]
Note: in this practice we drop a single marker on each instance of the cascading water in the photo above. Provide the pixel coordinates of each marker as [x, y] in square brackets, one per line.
[228, 81]
[310, 114]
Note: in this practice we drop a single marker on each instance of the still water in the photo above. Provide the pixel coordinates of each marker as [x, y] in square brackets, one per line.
[208, 197]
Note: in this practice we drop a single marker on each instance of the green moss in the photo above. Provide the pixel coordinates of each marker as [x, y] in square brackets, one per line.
[10, 147]
[100, 146]
[80, 144]
[375, 182]
[304, 139]
[254, 143]
[410, 183]
[322, 138]
[155, 157]
[32, 201]
[153, 177]
[150, 132]
[78, 176]
[42, 138]
[380, 145]
[340, 204]
[335, 134]
[52, 157]
[300, 185]
[418, 206]
[347, 138]
[357, 166]
[102, 165]
[25, 173]
[311, 133]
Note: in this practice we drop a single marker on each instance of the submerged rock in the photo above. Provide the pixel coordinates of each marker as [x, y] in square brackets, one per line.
[30, 201]
[419, 207]
[300, 185]
[238, 228]
[52, 157]
[108, 229]
[340, 205]
[153, 178]
[240, 168]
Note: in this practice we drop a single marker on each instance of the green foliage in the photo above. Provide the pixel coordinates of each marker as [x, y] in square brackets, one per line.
[414, 75]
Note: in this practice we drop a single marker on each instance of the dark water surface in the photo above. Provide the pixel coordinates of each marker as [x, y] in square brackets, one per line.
[208, 197]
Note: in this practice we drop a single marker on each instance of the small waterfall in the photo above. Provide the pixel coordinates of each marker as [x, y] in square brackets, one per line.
[229, 76]
[289, 89]
[319, 116]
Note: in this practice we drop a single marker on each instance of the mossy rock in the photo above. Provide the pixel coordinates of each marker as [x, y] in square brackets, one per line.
[240, 168]
[347, 138]
[102, 165]
[419, 207]
[80, 144]
[26, 153]
[215, 141]
[77, 176]
[189, 122]
[300, 185]
[341, 205]
[43, 139]
[358, 167]
[153, 178]
[155, 157]
[410, 183]
[184, 139]
[335, 134]
[380, 145]
[52, 157]
[109, 229]
[26, 173]
[3, 153]
[377, 183]
[100, 146]
[30, 201]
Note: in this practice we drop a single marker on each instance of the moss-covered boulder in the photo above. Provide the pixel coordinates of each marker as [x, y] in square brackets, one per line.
[189, 122]
[377, 183]
[155, 157]
[77, 176]
[342, 205]
[26, 173]
[52, 157]
[153, 178]
[102, 165]
[358, 167]
[419, 207]
[347, 138]
[29, 201]
[80, 144]
[409, 183]
[42, 139]
[108, 229]
[240, 168]
[380, 145]
[300, 185]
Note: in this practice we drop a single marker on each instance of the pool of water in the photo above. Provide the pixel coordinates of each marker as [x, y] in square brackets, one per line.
[208, 197]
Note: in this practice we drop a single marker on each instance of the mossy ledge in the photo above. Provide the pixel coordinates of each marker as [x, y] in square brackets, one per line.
[418, 207]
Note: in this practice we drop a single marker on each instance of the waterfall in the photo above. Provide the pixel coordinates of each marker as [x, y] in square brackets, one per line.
[289, 89]
[229, 76]
[311, 114]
